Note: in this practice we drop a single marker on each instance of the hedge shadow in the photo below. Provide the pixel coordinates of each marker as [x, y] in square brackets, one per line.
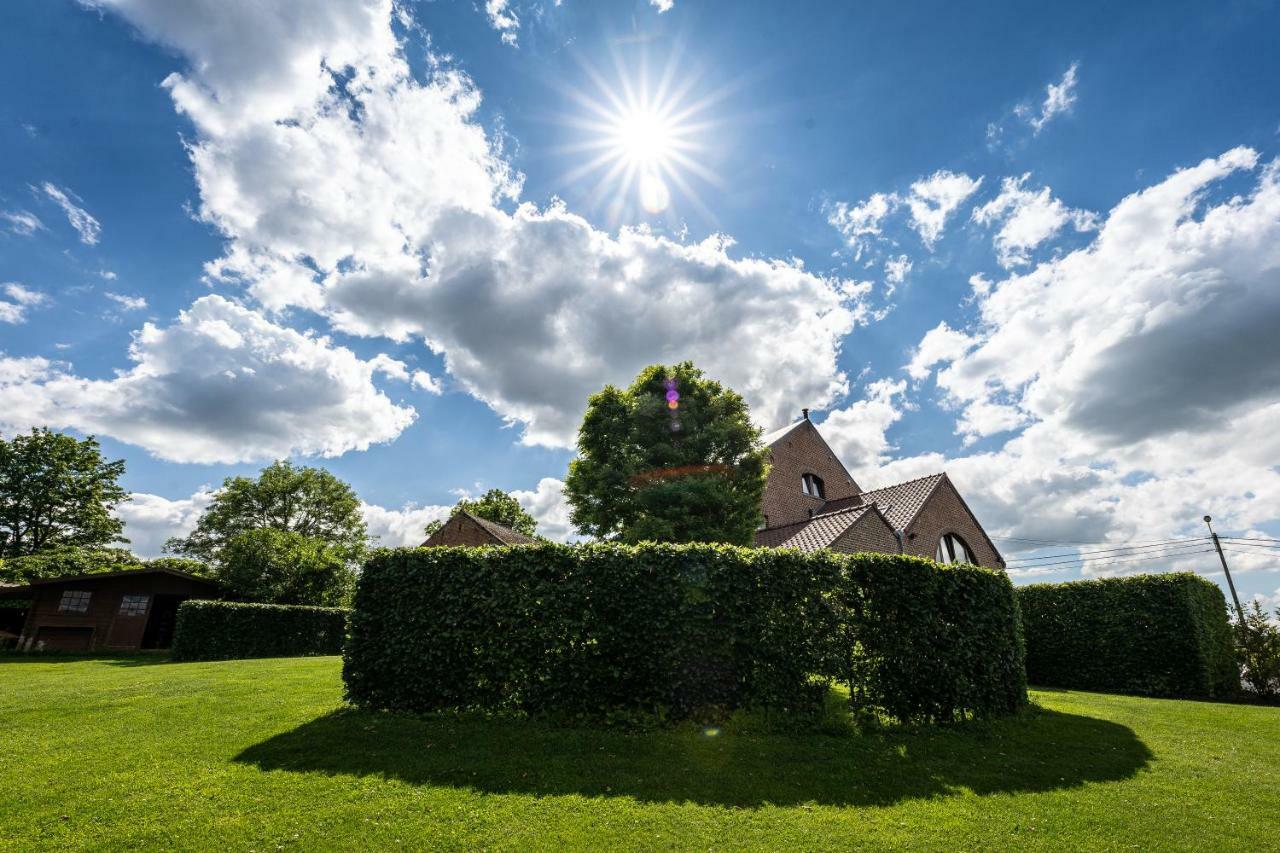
[1037, 750]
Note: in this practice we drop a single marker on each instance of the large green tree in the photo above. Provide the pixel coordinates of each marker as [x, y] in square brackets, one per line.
[673, 458]
[310, 502]
[57, 491]
[494, 505]
[282, 567]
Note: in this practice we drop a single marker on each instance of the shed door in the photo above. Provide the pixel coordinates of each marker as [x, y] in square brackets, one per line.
[64, 639]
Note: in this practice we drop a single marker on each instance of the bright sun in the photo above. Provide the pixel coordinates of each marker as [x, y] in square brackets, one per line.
[642, 142]
[645, 138]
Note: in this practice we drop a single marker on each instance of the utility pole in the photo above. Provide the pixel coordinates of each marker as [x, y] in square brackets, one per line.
[1223, 557]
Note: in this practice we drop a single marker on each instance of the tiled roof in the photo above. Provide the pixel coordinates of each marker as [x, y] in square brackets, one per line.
[901, 503]
[818, 532]
[501, 532]
[771, 438]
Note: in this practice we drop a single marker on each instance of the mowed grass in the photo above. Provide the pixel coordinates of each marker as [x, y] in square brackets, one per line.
[260, 755]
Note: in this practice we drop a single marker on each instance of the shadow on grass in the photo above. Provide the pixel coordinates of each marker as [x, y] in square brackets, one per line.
[139, 659]
[1036, 751]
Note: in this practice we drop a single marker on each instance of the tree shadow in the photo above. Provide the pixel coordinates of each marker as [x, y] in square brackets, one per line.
[111, 659]
[1036, 751]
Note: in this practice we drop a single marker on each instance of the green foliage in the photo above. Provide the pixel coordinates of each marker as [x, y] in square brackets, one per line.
[605, 630]
[646, 472]
[1154, 635]
[494, 505]
[182, 564]
[56, 491]
[272, 566]
[310, 502]
[66, 560]
[1258, 651]
[220, 630]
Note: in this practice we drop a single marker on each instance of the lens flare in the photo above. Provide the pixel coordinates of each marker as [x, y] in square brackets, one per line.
[643, 139]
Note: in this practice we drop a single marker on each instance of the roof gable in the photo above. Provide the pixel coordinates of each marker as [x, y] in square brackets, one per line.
[902, 502]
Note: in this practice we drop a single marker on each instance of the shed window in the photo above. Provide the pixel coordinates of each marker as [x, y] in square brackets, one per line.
[74, 601]
[134, 605]
[811, 485]
[952, 549]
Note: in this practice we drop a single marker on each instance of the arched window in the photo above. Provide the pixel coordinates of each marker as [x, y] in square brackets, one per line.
[952, 549]
[811, 485]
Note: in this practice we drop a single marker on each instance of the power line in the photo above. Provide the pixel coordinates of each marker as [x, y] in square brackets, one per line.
[1178, 554]
[1126, 548]
[1250, 539]
[1071, 544]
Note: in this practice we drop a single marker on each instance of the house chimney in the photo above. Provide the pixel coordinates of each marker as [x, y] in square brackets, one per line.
[805, 412]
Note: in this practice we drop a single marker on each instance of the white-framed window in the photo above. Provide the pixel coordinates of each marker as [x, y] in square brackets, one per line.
[952, 549]
[134, 605]
[812, 485]
[74, 601]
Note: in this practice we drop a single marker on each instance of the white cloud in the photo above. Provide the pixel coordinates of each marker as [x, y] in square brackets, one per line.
[503, 19]
[933, 199]
[22, 222]
[86, 226]
[424, 381]
[375, 203]
[126, 302]
[860, 222]
[150, 520]
[13, 309]
[662, 5]
[396, 528]
[108, 275]
[856, 432]
[895, 272]
[547, 504]
[222, 384]
[1059, 98]
[1144, 367]
[941, 343]
[1027, 219]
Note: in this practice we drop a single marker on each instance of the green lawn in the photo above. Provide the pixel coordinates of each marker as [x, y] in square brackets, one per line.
[259, 755]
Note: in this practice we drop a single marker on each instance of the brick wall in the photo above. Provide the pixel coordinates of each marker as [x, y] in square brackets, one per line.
[871, 533]
[945, 513]
[802, 451]
[459, 530]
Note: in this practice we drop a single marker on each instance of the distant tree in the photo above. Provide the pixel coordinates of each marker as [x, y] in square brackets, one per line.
[673, 458]
[494, 505]
[1258, 650]
[66, 560]
[310, 502]
[273, 566]
[181, 564]
[57, 491]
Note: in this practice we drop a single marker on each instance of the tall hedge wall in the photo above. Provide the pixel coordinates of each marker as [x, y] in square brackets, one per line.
[1154, 635]
[678, 629]
[223, 630]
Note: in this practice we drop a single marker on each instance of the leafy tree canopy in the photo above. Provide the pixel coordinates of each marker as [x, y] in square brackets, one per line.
[273, 566]
[57, 491]
[673, 458]
[310, 502]
[494, 505]
[72, 560]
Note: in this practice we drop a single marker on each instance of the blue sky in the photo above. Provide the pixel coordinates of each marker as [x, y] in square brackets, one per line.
[1077, 200]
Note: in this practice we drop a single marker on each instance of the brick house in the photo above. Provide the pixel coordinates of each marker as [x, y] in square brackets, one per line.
[812, 502]
[463, 528]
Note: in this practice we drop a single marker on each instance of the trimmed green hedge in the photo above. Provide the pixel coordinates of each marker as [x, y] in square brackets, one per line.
[679, 630]
[223, 630]
[1153, 635]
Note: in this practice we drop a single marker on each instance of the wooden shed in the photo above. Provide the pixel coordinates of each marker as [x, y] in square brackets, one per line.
[112, 611]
